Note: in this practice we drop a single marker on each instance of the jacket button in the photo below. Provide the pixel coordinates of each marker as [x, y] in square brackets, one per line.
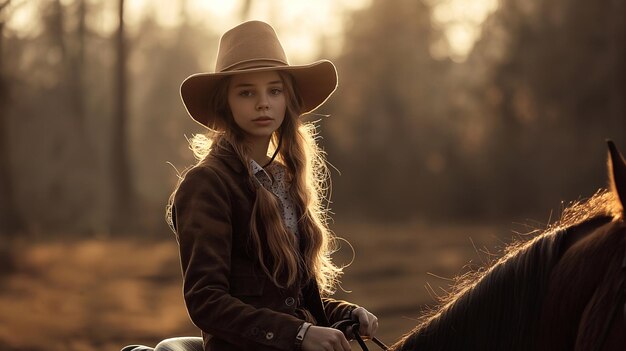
[290, 301]
[269, 336]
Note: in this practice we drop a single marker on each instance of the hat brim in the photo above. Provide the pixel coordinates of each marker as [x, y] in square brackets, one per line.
[315, 82]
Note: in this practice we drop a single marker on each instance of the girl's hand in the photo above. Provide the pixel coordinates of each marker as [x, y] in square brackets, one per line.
[368, 322]
[324, 339]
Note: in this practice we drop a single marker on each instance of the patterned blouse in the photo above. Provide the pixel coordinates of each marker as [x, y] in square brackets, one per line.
[274, 178]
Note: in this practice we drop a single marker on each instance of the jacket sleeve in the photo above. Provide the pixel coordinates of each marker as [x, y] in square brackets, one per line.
[337, 310]
[203, 224]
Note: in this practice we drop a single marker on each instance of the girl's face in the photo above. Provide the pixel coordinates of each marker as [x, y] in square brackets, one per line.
[257, 102]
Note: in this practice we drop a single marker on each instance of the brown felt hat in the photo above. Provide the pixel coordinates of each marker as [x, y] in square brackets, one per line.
[252, 47]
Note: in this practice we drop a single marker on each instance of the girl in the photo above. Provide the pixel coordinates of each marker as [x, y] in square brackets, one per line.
[254, 243]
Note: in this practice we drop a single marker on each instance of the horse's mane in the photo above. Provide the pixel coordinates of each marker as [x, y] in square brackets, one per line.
[602, 203]
[478, 307]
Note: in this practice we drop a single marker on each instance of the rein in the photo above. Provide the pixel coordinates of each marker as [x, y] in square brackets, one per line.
[350, 327]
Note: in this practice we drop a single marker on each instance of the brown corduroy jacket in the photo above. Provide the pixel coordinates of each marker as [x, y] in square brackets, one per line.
[228, 296]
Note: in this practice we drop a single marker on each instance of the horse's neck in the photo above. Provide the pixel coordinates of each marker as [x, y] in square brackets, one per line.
[585, 274]
[500, 310]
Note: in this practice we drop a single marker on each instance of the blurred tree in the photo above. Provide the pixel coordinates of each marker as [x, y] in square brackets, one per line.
[75, 65]
[10, 220]
[391, 112]
[163, 58]
[50, 146]
[498, 135]
[123, 199]
[560, 91]
[517, 126]
[245, 9]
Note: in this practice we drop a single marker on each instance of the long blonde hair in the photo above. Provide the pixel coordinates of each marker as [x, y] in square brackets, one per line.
[297, 149]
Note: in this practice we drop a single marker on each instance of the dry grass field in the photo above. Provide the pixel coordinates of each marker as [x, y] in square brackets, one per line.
[100, 294]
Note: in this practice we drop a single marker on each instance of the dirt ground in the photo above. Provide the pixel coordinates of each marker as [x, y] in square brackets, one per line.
[101, 294]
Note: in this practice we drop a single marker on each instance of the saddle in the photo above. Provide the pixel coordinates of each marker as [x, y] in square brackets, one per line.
[188, 343]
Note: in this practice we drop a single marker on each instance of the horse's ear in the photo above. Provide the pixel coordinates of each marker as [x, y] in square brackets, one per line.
[617, 174]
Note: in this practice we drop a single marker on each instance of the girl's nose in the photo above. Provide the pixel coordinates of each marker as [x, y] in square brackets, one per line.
[262, 103]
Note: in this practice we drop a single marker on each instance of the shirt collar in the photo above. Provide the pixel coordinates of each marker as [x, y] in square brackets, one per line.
[259, 171]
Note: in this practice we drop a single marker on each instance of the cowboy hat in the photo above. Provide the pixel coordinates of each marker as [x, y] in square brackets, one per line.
[252, 47]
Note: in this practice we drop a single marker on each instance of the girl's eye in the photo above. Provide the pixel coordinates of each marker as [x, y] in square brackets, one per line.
[276, 91]
[245, 93]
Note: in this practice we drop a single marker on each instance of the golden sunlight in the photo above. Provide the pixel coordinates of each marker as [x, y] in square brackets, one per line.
[306, 27]
[461, 22]
[302, 25]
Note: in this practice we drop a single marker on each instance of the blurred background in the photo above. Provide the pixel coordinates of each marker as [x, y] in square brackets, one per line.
[457, 127]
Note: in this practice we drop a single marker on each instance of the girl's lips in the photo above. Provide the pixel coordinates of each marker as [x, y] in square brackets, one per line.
[261, 119]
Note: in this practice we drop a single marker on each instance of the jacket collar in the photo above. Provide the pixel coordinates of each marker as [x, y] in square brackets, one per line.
[226, 152]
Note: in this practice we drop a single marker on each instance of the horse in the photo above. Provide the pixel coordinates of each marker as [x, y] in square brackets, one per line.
[564, 289]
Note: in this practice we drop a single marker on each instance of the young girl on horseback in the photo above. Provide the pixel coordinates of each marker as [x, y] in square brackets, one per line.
[250, 217]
